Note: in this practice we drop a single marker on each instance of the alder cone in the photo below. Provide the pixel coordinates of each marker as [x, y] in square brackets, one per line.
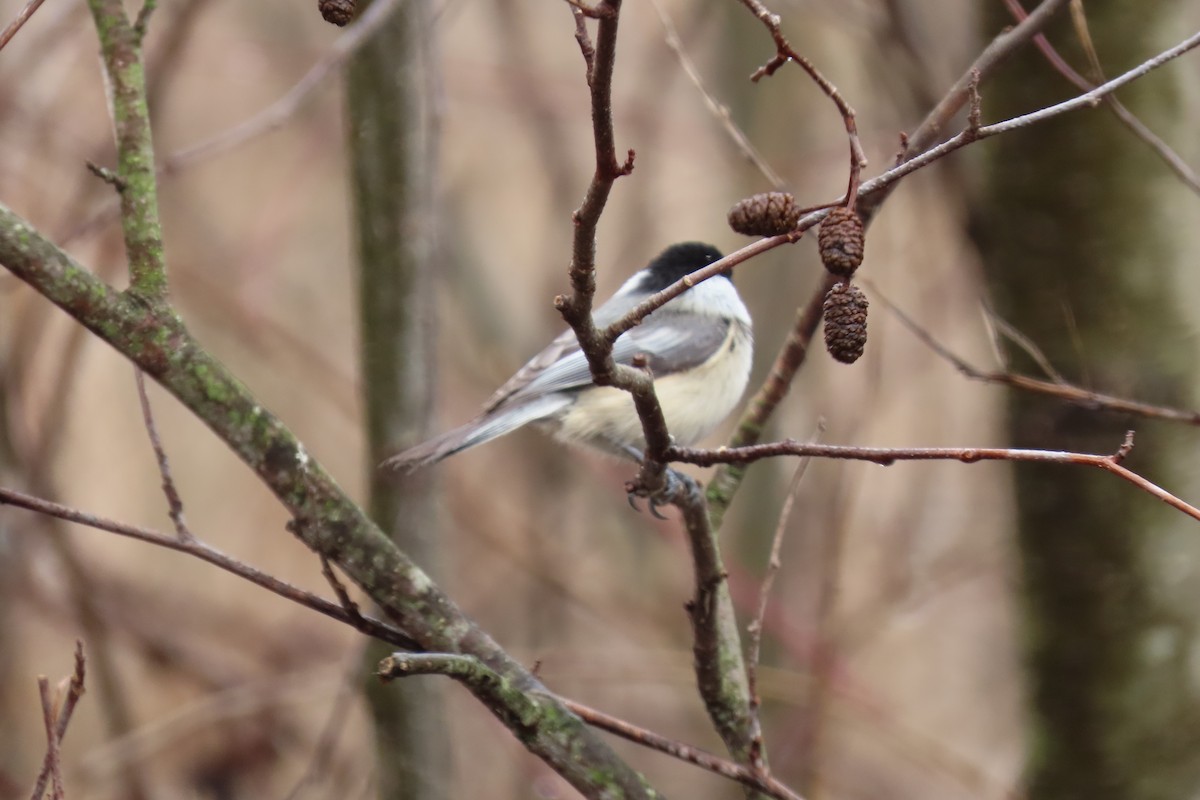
[845, 322]
[765, 214]
[338, 12]
[840, 242]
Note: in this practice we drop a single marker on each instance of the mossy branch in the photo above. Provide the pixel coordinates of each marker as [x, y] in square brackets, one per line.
[121, 48]
[153, 337]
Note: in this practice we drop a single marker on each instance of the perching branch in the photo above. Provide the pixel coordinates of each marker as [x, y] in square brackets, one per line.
[724, 485]
[886, 456]
[576, 309]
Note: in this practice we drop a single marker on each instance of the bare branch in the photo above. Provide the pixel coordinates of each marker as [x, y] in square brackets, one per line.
[717, 652]
[197, 548]
[718, 109]
[52, 753]
[886, 456]
[57, 716]
[746, 776]
[278, 113]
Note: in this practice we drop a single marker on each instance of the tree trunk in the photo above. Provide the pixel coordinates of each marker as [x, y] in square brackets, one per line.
[1079, 258]
[392, 139]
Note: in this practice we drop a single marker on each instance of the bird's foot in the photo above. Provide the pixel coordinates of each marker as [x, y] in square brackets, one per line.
[660, 489]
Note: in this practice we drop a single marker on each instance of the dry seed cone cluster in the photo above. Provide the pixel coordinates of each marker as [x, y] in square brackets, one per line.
[840, 242]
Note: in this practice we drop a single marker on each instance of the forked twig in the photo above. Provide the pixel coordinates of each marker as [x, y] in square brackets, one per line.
[57, 716]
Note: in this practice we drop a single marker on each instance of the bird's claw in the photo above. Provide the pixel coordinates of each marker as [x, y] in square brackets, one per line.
[658, 499]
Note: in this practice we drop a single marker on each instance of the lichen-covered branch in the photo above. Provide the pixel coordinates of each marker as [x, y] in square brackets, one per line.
[716, 640]
[121, 47]
[325, 519]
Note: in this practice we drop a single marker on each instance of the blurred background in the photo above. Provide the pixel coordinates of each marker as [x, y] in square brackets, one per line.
[937, 630]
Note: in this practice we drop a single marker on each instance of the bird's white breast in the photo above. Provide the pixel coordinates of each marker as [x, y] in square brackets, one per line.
[694, 402]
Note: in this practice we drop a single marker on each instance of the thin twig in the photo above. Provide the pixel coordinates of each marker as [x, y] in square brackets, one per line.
[755, 629]
[278, 113]
[1057, 388]
[205, 552]
[1127, 118]
[886, 456]
[143, 18]
[52, 752]
[174, 502]
[784, 52]
[50, 764]
[718, 109]
[1000, 327]
[744, 775]
[19, 21]
[339, 589]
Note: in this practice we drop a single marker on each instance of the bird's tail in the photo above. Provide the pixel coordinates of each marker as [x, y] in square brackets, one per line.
[483, 428]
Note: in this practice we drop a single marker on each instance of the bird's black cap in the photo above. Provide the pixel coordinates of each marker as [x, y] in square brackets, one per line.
[676, 261]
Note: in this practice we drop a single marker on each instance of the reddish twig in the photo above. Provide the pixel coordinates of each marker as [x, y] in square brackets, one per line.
[174, 502]
[57, 716]
[205, 552]
[886, 456]
[576, 309]
[784, 52]
[19, 21]
[746, 776]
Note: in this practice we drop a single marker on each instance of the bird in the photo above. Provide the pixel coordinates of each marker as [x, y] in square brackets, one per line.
[698, 347]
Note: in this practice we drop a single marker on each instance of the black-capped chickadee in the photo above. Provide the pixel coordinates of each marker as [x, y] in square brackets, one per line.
[698, 347]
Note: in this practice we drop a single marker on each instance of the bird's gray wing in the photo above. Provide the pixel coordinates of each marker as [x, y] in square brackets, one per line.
[670, 342]
[564, 346]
